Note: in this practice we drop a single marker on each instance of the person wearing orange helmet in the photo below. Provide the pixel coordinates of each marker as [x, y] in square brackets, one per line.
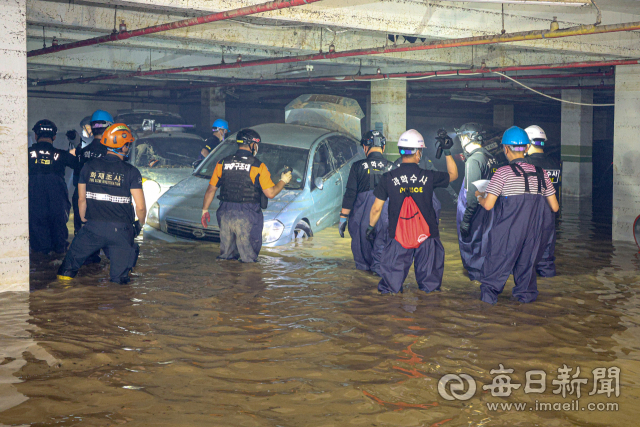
[106, 187]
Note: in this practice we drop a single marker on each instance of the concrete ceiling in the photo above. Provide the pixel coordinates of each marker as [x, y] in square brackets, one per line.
[347, 24]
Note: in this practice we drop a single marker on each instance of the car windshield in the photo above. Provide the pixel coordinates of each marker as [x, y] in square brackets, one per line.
[174, 152]
[276, 157]
[134, 120]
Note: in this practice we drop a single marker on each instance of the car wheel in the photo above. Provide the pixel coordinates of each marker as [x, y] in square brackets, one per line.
[302, 231]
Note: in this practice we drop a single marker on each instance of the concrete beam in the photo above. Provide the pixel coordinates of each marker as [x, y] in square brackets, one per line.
[285, 38]
[14, 177]
[432, 20]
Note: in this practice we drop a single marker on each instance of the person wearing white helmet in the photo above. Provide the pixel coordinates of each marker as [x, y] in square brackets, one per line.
[537, 157]
[470, 218]
[413, 227]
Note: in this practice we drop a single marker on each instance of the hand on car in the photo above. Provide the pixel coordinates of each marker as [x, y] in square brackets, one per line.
[286, 177]
[206, 219]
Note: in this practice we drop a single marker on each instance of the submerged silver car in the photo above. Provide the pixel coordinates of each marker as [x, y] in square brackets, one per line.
[164, 159]
[320, 159]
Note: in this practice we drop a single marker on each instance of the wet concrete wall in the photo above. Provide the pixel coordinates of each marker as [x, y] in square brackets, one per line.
[14, 225]
[626, 152]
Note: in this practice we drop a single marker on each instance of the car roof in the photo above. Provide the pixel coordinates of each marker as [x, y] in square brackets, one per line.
[143, 111]
[179, 135]
[290, 135]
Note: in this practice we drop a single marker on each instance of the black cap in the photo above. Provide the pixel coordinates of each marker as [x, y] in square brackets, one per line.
[373, 138]
[248, 136]
[45, 129]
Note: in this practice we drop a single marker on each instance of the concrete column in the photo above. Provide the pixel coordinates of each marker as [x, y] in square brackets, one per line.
[626, 152]
[503, 116]
[389, 111]
[577, 139]
[14, 177]
[212, 107]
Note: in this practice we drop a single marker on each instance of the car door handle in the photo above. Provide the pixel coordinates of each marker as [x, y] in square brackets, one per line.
[337, 182]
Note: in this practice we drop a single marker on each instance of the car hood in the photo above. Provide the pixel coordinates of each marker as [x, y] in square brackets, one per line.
[184, 201]
[166, 177]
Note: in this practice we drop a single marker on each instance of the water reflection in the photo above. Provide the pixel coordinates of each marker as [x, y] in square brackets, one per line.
[17, 347]
[302, 338]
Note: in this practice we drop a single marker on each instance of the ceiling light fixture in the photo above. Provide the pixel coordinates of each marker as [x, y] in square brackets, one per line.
[470, 98]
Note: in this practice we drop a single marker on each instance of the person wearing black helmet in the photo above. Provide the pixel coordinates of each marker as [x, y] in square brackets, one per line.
[48, 196]
[469, 217]
[358, 199]
[244, 182]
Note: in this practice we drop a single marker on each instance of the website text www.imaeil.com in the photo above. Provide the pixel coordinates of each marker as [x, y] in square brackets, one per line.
[568, 384]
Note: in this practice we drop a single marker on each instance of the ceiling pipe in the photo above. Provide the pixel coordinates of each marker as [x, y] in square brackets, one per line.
[373, 77]
[504, 89]
[470, 41]
[220, 16]
[598, 75]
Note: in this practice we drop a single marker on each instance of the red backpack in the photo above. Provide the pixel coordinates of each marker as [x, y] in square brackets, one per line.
[412, 228]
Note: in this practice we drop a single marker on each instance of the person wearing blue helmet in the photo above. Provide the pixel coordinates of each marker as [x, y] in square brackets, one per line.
[519, 192]
[220, 129]
[100, 121]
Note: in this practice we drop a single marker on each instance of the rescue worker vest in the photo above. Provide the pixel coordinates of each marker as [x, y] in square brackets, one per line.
[235, 183]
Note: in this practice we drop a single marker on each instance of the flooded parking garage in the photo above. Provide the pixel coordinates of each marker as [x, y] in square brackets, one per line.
[302, 338]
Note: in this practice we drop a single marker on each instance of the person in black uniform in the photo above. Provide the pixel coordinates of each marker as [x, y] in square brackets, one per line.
[48, 197]
[536, 157]
[100, 120]
[106, 186]
[358, 199]
[245, 185]
[410, 181]
[470, 219]
[426, 163]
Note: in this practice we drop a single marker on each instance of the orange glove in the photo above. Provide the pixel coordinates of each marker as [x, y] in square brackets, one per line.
[206, 219]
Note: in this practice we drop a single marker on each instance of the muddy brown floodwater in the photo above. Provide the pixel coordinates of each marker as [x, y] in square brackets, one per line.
[303, 339]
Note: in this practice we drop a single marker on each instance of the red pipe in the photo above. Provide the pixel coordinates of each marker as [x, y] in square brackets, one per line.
[517, 88]
[483, 79]
[220, 16]
[470, 41]
[404, 75]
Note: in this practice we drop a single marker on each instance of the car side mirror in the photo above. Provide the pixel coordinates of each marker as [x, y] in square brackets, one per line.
[319, 183]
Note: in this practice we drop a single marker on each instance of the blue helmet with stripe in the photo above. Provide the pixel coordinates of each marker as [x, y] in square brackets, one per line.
[220, 124]
[101, 115]
[100, 120]
[516, 138]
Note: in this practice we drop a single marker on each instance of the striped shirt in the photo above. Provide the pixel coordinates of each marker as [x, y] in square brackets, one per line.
[506, 183]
